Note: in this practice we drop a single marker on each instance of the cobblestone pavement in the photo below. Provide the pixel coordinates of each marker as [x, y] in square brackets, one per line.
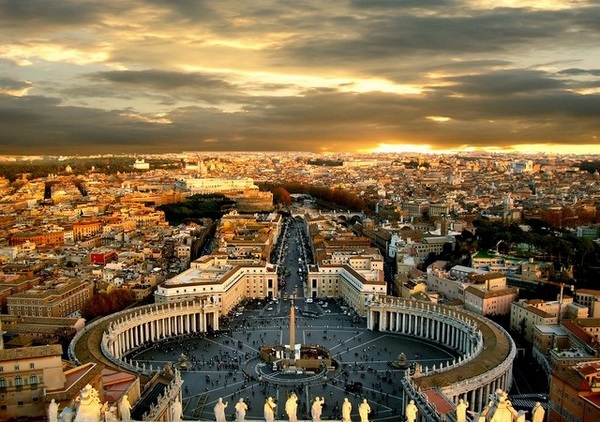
[226, 364]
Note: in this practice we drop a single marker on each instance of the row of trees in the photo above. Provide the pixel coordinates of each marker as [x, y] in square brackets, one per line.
[541, 241]
[590, 166]
[334, 198]
[197, 207]
[102, 304]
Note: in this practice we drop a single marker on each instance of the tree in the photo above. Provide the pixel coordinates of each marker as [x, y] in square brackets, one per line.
[102, 304]
[282, 196]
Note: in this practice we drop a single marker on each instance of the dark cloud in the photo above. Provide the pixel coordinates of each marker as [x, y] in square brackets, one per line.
[35, 12]
[162, 80]
[579, 72]
[504, 82]
[159, 75]
[393, 5]
[308, 122]
[11, 84]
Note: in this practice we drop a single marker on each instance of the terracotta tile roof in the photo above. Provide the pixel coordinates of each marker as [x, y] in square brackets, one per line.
[31, 352]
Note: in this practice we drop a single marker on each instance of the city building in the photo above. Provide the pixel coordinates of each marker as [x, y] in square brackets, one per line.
[589, 298]
[575, 393]
[26, 374]
[526, 314]
[212, 278]
[61, 298]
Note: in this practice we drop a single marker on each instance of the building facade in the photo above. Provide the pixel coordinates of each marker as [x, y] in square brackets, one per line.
[25, 376]
[57, 300]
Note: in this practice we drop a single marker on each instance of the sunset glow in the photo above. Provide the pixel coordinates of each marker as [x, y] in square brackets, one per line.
[318, 76]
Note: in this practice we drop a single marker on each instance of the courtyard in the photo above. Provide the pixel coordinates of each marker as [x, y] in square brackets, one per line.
[225, 364]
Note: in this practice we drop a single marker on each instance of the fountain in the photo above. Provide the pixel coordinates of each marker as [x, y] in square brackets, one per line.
[296, 358]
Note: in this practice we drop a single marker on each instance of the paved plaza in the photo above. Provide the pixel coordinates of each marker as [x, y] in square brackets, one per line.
[226, 364]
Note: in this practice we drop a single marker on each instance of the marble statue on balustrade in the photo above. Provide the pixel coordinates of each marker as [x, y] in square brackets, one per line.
[240, 410]
[67, 414]
[291, 407]
[520, 416]
[461, 411]
[220, 410]
[87, 405]
[53, 411]
[363, 410]
[125, 408]
[316, 409]
[176, 410]
[168, 370]
[537, 413]
[346, 410]
[499, 409]
[110, 414]
[269, 409]
[411, 411]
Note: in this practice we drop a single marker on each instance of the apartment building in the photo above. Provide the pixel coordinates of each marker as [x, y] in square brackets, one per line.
[490, 302]
[25, 375]
[575, 393]
[86, 228]
[356, 286]
[58, 299]
[54, 237]
[589, 298]
[526, 314]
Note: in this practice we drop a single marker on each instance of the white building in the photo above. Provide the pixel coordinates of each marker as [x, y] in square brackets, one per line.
[214, 185]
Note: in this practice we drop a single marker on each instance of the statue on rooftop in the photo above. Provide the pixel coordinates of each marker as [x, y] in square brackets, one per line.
[411, 411]
[88, 405]
[269, 409]
[537, 413]
[53, 411]
[168, 370]
[317, 409]
[240, 410]
[291, 407]
[363, 410]
[125, 408]
[461, 411]
[220, 410]
[346, 410]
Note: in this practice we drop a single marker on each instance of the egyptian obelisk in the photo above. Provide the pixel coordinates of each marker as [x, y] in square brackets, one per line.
[292, 330]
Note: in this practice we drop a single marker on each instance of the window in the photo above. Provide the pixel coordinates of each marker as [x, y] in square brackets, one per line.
[18, 381]
[32, 366]
[16, 367]
[33, 379]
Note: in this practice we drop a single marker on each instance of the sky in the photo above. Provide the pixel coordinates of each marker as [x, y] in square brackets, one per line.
[327, 76]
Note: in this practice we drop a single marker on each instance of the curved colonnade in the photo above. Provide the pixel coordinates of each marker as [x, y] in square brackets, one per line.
[124, 332]
[486, 351]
